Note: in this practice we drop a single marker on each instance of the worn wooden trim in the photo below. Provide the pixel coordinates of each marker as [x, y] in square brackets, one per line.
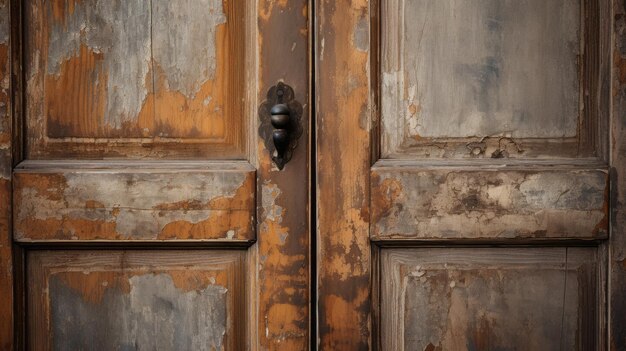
[593, 120]
[344, 108]
[617, 243]
[165, 203]
[282, 281]
[7, 140]
[489, 202]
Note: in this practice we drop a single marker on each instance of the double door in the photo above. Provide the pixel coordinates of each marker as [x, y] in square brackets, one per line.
[290, 175]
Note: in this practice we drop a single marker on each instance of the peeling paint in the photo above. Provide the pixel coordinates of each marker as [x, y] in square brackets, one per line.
[483, 298]
[135, 206]
[120, 32]
[503, 204]
[187, 55]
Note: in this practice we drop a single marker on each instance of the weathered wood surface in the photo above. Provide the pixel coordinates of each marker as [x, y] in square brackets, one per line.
[491, 299]
[143, 78]
[134, 201]
[617, 264]
[489, 202]
[283, 250]
[468, 79]
[474, 68]
[166, 300]
[6, 253]
[343, 154]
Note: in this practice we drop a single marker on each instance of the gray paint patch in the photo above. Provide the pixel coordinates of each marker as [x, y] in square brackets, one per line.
[154, 316]
[185, 41]
[483, 67]
[4, 22]
[118, 29]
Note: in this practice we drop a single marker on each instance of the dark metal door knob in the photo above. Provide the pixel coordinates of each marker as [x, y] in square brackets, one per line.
[280, 123]
[280, 120]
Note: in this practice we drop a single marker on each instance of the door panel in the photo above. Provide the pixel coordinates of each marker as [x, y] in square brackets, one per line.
[175, 300]
[490, 299]
[471, 69]
[464, 183]
[144, 79]
[502, 80]
[146, 209]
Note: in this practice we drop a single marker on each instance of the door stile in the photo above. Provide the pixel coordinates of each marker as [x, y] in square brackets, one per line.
[282, 250]
[617, 242]
[6, 161]
[343, 154]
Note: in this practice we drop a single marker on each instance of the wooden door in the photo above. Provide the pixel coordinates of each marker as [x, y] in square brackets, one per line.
[141, 208]
[470, 175]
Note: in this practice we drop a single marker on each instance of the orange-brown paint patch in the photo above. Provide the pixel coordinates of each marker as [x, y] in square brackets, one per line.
[47, 186]
[61, 9]
[92, 285]
[74, 102]
[384, 196]
[93, 204]
[65, 228]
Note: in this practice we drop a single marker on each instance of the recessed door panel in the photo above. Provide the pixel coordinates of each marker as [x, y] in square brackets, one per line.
[167, 300]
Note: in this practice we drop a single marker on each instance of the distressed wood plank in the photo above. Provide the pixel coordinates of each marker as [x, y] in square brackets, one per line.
[343, 154]
[170, 300]
[283, 248]
[617, 264]
[496, 203]
[6, 251]
[136, 78]
[487, 298]
[134, 204]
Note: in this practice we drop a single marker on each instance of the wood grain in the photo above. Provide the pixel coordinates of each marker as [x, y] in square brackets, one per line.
[488, 202]
[120, 202]
[283, 251]
[6, 160]
[490, 79]
[136, 78]
[617, 264]
[343, 154]
[170, 300]
[488, 298]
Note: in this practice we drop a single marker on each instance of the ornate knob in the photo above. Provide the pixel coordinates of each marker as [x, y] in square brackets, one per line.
[281, 121]
[280, 126]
